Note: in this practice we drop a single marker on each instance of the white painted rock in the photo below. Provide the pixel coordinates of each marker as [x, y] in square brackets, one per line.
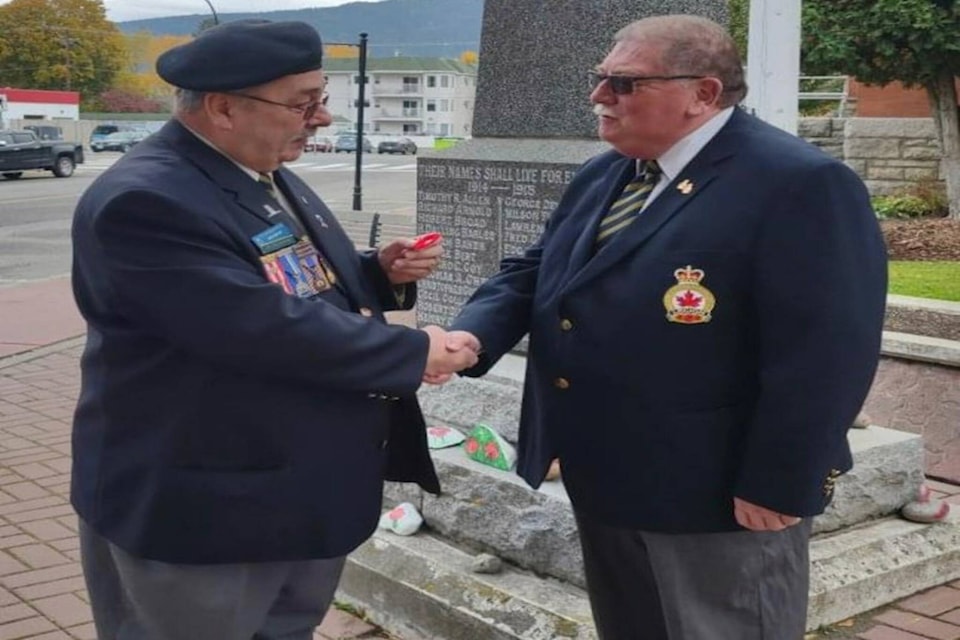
[440, 437]
[403, 520]
[925, 509]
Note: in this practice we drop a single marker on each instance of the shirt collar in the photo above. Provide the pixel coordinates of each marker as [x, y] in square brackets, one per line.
[686, 149]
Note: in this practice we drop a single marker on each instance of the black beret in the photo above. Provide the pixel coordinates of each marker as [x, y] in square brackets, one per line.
[241, 54]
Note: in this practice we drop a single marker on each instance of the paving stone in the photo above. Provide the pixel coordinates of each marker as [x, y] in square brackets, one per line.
[25, 490]
[66, 610]
[6, 498]
[945, 487]
[17, 611]
[55, 635]
[920, 624]
[8, 542]
[9, 564]
[30, 505]
[340, 625]
[47, 530]
[64, 509]
[25, 628]
[39, 556]
[39, 576]
[56, 587]
[933, 602]
[7, 598]
[889, 633]
[953, 617]
[84, 632]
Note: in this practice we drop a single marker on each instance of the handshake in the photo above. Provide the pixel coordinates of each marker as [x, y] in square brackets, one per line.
[450, 352]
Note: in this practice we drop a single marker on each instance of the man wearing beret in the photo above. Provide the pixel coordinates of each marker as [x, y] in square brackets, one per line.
[242, 397]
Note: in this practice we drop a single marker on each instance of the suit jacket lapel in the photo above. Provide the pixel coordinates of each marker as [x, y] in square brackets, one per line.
[249, 195]
[323, 229]
[685, 188]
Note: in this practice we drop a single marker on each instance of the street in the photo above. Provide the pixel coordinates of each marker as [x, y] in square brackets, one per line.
[36, 211]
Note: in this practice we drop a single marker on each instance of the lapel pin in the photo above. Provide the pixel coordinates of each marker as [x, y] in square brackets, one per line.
[323, 223]
[271, 211]
[685, 187]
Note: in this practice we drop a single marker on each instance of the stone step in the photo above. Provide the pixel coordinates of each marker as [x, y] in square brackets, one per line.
[422, 588]
[923, 316]
[496, 512]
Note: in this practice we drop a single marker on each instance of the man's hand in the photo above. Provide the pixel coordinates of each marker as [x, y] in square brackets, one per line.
[455, 341]
[442, 362]
[756, 518]
[404, 265]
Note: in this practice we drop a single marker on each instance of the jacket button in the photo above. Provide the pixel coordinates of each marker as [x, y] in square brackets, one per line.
[561, 383]
[366, 312]
[566, 324]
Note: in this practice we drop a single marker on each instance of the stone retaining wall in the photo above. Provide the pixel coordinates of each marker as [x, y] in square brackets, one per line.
[890, 154]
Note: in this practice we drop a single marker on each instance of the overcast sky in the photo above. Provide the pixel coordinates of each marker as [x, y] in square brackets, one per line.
[121, 10]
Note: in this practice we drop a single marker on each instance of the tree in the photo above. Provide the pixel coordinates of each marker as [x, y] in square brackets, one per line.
[880, 41]
[739, 23]
[59, 44]
[469, 57]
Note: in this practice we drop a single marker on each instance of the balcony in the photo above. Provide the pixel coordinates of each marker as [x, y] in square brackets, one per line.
[397, 114]
[398, 90]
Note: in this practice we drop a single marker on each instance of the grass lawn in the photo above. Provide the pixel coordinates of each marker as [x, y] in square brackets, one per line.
[939, 280]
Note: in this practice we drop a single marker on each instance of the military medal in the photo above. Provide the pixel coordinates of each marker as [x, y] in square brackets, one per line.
[688, 301]
[685, 187]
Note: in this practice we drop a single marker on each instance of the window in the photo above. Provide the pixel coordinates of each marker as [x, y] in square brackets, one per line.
[411, 128]
[445, 129]
[431, 105]
[411, 84]
[444, 82]
[444, 105]
[22, 138]
[431, 81]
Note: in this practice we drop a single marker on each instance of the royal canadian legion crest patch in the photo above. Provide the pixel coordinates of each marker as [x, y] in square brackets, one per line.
[688, 301]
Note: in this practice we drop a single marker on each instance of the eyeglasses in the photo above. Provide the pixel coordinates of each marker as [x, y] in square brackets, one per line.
[306, 109]
[623, 85]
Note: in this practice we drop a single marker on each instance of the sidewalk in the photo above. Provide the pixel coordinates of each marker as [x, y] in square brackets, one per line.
[42, 595]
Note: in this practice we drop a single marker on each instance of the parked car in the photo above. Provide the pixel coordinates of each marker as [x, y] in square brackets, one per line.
[348, 144]
[101, 131]
[46, 131]
[22, 150]
[121, 141]
[321, 144]
[399, 145]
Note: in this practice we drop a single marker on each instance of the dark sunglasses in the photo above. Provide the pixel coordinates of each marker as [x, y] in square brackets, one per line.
[306, 109]
[623, 85]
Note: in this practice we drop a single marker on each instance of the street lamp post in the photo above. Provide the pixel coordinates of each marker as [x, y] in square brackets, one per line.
[213, 11]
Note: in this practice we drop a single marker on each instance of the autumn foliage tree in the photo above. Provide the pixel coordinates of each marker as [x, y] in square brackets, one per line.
[916, 42]
[60, 45]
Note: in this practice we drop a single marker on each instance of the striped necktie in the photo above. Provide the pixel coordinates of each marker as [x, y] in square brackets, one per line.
[266, 181]
[631, 200]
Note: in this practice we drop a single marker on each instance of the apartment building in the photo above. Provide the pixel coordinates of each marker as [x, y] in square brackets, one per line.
[405, 95]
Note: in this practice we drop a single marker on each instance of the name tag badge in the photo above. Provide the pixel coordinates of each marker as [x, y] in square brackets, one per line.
[299, 269]
[274, 239]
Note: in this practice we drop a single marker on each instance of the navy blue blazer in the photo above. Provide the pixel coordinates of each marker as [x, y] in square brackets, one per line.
[660, 423]
[221, 419]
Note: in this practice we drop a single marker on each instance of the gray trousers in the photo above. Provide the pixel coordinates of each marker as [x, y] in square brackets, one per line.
[137, 599]
[742, 585]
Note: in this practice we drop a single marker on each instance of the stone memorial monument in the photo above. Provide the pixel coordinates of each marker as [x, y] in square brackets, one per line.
[490, 197]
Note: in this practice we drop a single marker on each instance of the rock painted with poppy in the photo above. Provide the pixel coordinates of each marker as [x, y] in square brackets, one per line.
[487, 446]
[403, 520]
[440, 437]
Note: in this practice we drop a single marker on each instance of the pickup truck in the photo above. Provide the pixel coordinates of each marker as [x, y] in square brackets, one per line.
[22, 150]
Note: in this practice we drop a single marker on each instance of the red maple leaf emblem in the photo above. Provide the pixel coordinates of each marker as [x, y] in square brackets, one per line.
[689, 299]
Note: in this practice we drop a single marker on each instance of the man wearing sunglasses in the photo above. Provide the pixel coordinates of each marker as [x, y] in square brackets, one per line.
[705, 309]
[243, 398]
